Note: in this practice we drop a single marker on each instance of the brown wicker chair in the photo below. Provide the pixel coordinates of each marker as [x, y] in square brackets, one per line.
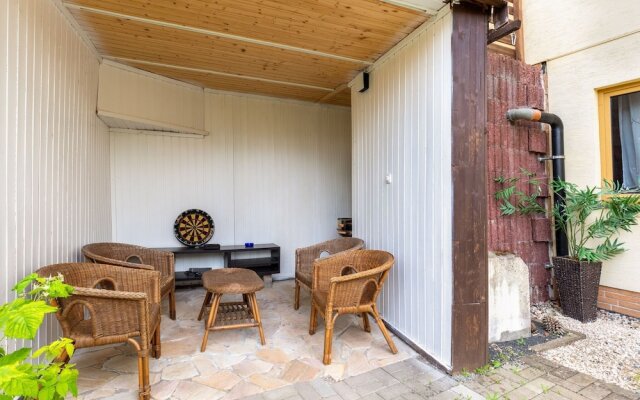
[121, 304]
[128, 255]
[307, 255]
[349, 283]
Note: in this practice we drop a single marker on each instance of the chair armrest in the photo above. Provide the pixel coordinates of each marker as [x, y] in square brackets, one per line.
[112, 313]
[355, 289]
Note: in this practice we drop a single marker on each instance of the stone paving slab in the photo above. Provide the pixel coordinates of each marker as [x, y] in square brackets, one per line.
[534, 378]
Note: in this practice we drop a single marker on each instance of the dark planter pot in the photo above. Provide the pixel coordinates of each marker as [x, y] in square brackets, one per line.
[578, 283]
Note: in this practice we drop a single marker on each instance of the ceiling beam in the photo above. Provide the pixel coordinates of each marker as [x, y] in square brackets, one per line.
[412, 6]
[212, 72]
[214, 33]
[504, 30]
[333, 94]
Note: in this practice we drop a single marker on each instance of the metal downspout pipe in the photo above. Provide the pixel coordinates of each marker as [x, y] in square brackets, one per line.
[557, 158]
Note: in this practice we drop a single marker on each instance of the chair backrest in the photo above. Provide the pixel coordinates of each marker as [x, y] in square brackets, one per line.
[360, 273]
[108, 252]
[132, 256]
[339, 245]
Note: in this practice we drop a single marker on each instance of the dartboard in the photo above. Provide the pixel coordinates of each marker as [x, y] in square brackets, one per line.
[194, 227]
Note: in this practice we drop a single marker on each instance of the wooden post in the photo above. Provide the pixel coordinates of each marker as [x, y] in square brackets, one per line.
[517, 13]
[468, 158]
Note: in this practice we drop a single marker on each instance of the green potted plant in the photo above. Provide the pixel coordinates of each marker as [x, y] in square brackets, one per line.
[591, 218]
[43, 374]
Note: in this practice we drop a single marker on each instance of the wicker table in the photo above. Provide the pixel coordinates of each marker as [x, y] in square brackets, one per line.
[231, 315]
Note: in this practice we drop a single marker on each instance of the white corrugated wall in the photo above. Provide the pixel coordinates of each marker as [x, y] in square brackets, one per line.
[271, 170]
[134, 96]
[54, 152]
[402, 128]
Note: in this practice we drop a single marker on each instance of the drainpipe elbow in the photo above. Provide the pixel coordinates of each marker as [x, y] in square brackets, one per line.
[527, 114]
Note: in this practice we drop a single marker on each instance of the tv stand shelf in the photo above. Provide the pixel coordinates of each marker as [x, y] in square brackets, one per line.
[261, 265]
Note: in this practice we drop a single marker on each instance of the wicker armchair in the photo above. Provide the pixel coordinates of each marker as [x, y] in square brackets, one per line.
[349, 283]
[307, 255]
[122, 304]
[128, 255]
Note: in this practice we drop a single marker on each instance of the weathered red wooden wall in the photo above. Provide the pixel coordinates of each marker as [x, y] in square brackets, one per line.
[510, 84]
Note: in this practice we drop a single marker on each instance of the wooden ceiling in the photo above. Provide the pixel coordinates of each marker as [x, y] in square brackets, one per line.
[301, 49]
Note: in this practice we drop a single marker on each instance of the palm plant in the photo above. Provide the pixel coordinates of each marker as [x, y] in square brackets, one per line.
[592, 217]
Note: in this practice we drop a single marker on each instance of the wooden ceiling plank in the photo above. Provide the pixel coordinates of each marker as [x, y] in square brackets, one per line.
[281, 72]
[280, 76]
[218, 34]
[352, 47]
[231, 84]
[301, 49]
[311, 13]
[197, 51]
[212, 72]
[318, 32]
[342, 99]
[333, 93]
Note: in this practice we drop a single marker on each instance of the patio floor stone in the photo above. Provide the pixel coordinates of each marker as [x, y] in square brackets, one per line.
[235, 366]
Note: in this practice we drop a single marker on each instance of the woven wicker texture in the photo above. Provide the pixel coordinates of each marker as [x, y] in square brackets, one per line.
[306, 256]
[232, 281]
[131, 256]
[231, 315]
[111, 304]
[349, 283]
[578, 284]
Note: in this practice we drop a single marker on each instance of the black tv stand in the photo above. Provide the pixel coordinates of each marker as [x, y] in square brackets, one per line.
[263, 266]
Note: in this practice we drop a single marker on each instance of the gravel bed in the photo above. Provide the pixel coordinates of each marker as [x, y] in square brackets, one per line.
[611, 350]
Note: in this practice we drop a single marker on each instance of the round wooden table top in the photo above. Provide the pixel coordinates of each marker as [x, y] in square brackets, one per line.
[232, 281]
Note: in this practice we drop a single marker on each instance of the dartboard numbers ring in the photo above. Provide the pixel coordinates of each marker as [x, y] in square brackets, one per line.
[194, 227]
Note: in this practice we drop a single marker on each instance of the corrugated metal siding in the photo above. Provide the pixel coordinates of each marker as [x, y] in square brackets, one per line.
[270, 171]
[143, 96]
[54, 152]
[402, 127]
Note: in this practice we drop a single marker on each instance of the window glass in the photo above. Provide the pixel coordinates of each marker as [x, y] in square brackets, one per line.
[625, 140]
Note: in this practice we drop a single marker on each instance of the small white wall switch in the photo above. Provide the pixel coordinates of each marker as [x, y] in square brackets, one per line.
[388, 178]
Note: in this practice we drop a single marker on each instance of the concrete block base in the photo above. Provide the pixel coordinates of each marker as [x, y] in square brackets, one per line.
[509, 298]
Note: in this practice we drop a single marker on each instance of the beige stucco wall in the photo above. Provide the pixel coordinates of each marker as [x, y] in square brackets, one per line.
[554, 28]
[573, 81]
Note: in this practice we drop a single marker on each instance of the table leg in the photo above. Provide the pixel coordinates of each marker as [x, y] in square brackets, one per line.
[256, 316]
[205, 303]
[211, 321]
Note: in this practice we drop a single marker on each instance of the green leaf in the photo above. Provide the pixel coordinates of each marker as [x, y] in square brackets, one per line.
[69, 348]
[25, 319]
[15, 357]
[59, 289]
[55, 349]
[18, 380]
[24, 283]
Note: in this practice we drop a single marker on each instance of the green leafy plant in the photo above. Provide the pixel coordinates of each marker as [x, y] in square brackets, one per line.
[521, 342]
[591, 218]
[52, 379]
[511, 200]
